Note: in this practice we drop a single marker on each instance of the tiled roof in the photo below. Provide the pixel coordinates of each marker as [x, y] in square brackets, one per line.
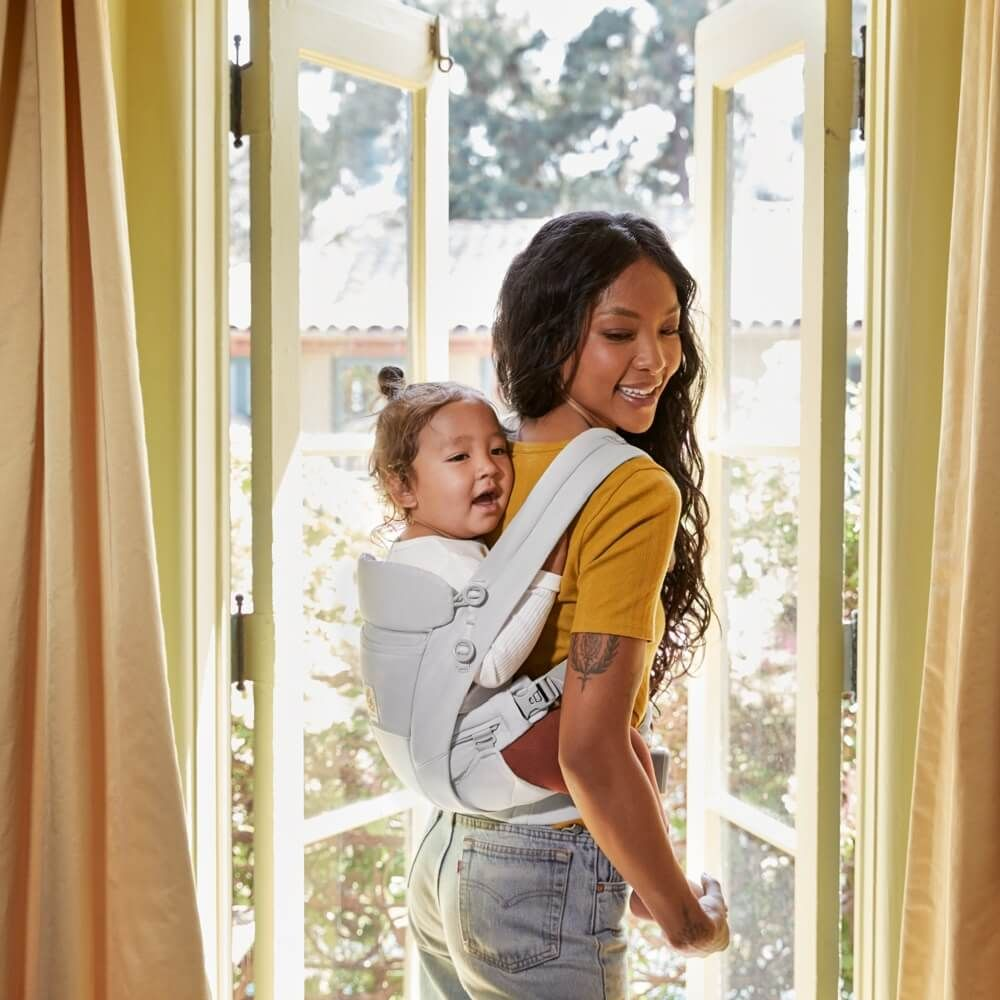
[361, 282]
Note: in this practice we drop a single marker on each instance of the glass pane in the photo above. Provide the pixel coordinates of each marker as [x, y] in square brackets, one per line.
[353, 258]
[558, 107]
[760, 887]
[765, 194]
[356, 912]
[656, 970]
[761, 516]
[342, 762]
[354, 302]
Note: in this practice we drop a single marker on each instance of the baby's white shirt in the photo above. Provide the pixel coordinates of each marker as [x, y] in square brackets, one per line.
[456, 560]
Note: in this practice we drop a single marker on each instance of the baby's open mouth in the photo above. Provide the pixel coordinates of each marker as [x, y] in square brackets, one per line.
[486, 498]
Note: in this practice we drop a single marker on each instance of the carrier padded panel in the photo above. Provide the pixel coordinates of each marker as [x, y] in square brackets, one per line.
[404, 598]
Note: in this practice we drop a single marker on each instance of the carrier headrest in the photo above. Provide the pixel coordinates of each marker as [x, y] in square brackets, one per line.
[401, 597]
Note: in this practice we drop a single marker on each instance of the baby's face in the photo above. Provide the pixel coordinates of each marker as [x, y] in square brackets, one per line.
[461, 479]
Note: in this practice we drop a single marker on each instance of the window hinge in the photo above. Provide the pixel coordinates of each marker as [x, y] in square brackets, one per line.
[859, 63]
[850, 683]
[236, 96]
[237, 646]
[439, 44]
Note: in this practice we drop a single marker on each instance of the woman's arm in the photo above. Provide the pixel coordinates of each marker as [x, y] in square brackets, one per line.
[615, 798]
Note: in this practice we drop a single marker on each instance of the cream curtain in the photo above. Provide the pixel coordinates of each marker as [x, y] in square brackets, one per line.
[950, 947]
[97, 895]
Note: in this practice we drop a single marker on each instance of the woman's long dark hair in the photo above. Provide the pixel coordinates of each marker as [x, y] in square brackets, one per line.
[543, 313]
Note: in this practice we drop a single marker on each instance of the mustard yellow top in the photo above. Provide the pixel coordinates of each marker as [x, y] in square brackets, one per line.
[619, 548]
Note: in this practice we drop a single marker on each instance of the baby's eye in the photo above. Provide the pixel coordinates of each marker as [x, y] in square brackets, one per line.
[458, 457]
[500, 450]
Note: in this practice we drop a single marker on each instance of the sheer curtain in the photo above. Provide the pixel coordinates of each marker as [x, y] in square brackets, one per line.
[95, 873]
[950, 945]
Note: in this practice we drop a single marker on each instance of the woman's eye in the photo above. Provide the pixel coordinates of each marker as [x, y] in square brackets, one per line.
[669, 333]
[617, 336]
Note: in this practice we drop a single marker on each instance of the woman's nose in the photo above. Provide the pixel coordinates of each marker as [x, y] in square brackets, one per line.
[654, 356]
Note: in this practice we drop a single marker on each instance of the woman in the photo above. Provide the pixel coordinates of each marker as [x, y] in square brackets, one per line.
[593, 328]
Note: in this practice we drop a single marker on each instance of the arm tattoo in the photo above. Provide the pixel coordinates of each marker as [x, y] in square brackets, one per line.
[591, 654]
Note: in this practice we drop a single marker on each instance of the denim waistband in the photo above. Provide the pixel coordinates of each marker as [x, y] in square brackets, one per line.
[575, 834]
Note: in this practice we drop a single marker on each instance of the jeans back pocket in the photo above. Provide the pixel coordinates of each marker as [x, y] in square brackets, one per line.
[511, 903]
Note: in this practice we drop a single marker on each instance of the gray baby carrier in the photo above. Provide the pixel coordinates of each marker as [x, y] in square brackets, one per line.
[422, 644]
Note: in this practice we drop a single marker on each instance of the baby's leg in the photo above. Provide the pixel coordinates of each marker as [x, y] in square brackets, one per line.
[534, 757]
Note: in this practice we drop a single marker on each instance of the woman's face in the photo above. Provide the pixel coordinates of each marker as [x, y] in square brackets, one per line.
[629, 351]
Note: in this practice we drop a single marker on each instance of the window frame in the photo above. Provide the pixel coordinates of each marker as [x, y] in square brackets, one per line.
[392, 44]
[733, 43]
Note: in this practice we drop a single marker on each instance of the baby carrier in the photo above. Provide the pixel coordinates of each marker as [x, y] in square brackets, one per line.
[422, 643]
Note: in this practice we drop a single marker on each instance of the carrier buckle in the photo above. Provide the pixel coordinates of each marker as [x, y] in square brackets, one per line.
[536, 698]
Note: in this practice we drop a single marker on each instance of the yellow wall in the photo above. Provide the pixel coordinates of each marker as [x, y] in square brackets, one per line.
[153, 79]
[167, 61]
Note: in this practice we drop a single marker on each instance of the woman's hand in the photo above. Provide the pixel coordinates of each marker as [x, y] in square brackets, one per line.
[709, 931]
[639, 909]
[556, 561]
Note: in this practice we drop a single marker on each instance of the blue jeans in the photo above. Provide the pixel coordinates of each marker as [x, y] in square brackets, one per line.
[503, 911]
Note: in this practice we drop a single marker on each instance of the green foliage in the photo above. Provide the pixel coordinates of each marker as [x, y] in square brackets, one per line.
[355, 913]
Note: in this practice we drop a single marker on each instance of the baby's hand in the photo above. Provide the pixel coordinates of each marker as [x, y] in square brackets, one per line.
[556, 561]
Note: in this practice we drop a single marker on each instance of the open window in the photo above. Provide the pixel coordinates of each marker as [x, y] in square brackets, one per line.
[773, 99]
[347, 123]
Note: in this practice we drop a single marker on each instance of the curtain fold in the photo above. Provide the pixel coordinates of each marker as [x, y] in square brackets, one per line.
[96, 880]
[950, 948]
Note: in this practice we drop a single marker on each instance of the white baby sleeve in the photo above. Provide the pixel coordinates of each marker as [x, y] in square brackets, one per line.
[520, 632]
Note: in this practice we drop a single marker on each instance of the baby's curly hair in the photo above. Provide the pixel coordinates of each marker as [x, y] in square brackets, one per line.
[408, 409]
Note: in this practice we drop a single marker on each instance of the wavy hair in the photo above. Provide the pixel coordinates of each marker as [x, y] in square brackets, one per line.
[542, 315]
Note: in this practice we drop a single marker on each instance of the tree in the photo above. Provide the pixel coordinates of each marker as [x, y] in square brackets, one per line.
[611, 128]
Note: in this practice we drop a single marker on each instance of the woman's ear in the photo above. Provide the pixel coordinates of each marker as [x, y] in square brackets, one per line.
[401, 492]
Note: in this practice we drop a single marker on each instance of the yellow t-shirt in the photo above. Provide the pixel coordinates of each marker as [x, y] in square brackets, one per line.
[619, 548]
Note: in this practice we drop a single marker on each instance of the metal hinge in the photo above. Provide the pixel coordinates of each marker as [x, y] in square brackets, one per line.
[850, 683]
[236, 97]
[237, 646]
[860, 63]
[439, 44]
